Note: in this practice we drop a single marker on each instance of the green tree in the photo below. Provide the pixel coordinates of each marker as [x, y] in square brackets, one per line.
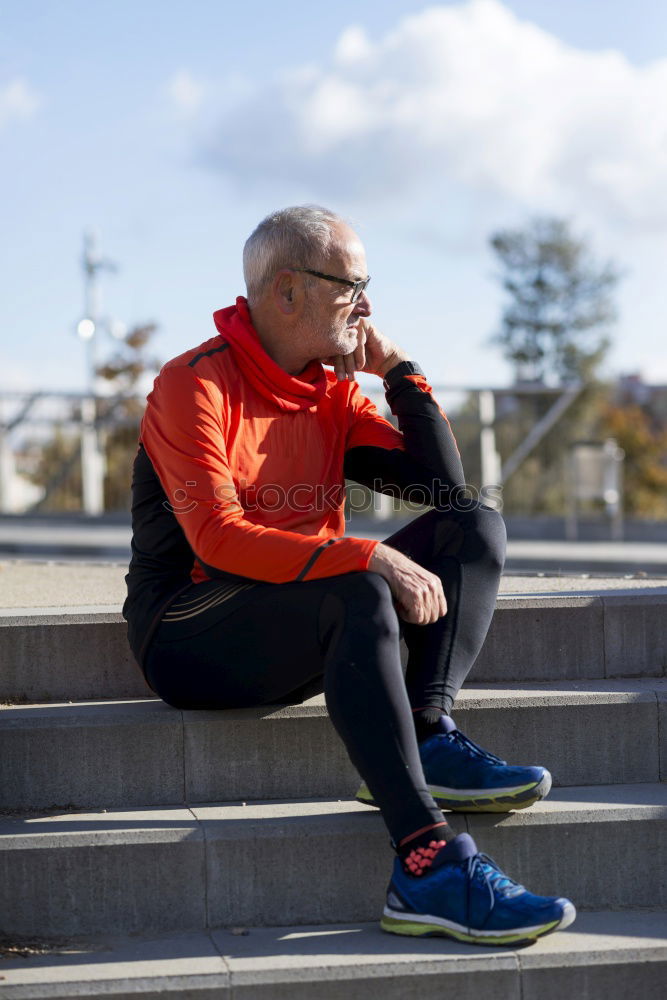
[560, 302]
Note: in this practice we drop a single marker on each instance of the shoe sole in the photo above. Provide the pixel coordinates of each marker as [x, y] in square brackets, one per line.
[426, 925]
[478, 799]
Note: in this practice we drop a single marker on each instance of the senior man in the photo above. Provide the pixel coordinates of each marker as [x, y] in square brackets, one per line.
[243, 589]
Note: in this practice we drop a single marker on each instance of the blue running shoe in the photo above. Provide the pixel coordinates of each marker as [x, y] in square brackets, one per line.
[465, 895]
[463, 777]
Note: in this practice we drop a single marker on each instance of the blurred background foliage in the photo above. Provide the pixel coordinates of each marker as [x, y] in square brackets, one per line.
[554, 329]
[55, 465]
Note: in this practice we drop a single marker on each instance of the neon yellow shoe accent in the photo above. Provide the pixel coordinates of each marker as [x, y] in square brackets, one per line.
[463, 794]
[493, 802]
[478, 801]
[392, 925]
[364, 795]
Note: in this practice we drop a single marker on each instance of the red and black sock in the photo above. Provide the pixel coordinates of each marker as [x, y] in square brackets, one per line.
[419, 849]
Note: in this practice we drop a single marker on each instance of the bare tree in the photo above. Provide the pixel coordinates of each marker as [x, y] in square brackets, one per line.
[119, 416]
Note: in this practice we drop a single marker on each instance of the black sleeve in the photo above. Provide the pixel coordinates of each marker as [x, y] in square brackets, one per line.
[430, 467]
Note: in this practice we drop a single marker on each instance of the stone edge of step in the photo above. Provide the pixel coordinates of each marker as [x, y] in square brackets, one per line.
[479, 696]
[225, 959]
[509, 601]
[227, 820]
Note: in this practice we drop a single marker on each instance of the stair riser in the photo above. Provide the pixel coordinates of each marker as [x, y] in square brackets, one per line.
[554, 638]
[296, 871]
[581, 744]
[575, 638]
[47, 768]
[394, 985]
[125, 991]
[68, 661]
[630, 980]
[595, 871]
[164, 756]
[599, 864]
[599, 982]
[103, 889]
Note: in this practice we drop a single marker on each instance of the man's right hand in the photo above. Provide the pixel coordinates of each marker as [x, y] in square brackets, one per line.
[417, 592]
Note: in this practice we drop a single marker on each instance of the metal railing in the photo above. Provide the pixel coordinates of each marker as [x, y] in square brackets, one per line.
[79, 413]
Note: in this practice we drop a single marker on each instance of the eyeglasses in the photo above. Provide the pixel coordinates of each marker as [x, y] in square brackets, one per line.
[357, 286]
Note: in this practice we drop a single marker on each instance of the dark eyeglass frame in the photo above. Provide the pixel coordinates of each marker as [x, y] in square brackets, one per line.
[357, 286]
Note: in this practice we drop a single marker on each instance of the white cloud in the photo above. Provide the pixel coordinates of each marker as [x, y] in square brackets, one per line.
[468, 95]
[17, 100]
[186, 94]
[352, 46]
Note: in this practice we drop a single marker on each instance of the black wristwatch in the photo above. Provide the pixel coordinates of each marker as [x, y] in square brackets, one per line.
[397, 372]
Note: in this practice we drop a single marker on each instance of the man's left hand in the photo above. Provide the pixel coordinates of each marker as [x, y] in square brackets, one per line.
[374, 354]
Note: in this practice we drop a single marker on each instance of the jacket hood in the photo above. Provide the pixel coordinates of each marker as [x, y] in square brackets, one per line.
[288, 392]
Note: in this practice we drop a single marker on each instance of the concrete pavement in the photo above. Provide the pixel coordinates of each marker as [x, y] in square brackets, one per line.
[62, 585]
[109, 539]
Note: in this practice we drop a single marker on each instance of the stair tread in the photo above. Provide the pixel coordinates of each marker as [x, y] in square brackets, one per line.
[512, 588]
[483, 695]
[573, 804]
[321, 953]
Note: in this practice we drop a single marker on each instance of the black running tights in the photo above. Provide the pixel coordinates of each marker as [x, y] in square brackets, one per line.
[281, 642]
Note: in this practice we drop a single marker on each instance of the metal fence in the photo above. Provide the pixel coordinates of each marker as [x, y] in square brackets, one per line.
[28, 420]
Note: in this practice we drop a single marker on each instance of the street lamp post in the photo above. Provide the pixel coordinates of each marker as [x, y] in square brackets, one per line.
[92, 456]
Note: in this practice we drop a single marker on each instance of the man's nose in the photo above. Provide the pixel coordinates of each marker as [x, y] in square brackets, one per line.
[363, 305]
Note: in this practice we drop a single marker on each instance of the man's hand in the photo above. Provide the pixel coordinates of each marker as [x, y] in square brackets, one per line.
[418, 593]
[374, 354]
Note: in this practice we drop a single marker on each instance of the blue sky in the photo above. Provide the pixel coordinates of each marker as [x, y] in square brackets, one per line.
[172, 128]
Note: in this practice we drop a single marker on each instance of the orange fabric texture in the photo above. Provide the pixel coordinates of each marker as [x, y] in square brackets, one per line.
[251, 458]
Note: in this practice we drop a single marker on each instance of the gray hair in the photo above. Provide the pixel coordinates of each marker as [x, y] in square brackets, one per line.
[300, 236]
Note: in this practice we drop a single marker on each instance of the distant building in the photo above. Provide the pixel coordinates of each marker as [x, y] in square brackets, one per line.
[631, 390]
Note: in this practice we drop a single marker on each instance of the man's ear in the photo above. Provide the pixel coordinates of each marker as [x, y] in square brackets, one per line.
[286, 292]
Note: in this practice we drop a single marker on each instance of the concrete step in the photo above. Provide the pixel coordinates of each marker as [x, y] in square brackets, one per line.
[67, 656]
[115, 754]
[602, 956]
[155, 871]
[83, 654]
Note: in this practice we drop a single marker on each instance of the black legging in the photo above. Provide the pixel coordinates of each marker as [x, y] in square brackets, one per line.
[280, 642]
